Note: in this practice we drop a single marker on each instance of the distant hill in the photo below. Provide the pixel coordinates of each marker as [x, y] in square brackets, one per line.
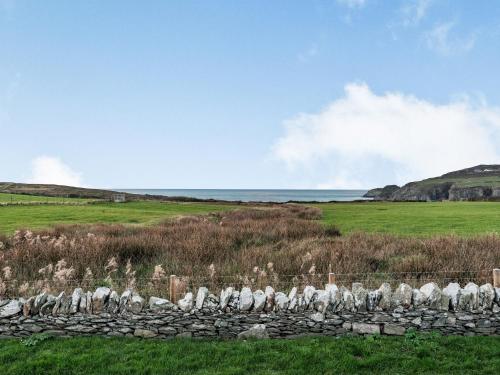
[63, 191]
[481, 182]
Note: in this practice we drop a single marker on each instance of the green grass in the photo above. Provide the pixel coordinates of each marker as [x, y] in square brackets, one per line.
[383, 355]
[463, 181]
[412, 218]
[142, 212]
[14, 198]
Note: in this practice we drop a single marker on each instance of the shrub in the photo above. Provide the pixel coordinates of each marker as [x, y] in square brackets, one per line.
[35, 339]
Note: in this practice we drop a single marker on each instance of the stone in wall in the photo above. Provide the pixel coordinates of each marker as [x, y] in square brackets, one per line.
[385, 296]
[258, 331]
[225, 296]
[136, 303]
[269, 292]
[201, 296]
[82, 307]
[432, 295]
[486, 296]
[113, 302]
[39, 301]
[100, 299]
[453, 293]
[322, 301]
[309, 294]
[360, 294]
[281, 301]
[10, 308]
[186, 303]
[418, 298]
[75, 300]
[160, 304]
[348, 300]
[293, 299]
[124, 300]
[373, 299]
[402, 296]
[246, 299]
[335, 296]
[259, 299]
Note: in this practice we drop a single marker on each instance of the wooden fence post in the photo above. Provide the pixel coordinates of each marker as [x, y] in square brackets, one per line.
[331, 278]
[173, 289]
[496, 277]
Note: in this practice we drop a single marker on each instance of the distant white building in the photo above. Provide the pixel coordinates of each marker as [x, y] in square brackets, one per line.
[119, 198]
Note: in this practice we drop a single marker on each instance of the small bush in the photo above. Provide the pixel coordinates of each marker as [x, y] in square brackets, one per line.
[35, 339]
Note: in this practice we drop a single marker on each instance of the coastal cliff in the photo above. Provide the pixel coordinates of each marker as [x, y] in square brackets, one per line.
[481, 182]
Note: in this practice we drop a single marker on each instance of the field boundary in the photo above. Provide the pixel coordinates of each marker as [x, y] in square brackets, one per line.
[235, 313]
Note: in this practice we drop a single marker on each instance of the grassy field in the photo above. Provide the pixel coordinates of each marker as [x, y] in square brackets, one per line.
[473, 355]
[14, 198]
[412, 218]
[145, 212]
[421, 219]
[463, 181]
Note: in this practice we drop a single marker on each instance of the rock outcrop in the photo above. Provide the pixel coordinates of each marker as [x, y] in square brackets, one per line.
[382, 193]
[466, 184]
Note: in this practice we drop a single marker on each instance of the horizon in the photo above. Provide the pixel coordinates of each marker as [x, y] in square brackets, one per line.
[127, 189]
[342, 95]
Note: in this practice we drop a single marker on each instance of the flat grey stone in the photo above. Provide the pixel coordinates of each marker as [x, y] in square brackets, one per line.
[365, 328]
[11, 308]
[144, 333]
[394, 330]
[258, 331]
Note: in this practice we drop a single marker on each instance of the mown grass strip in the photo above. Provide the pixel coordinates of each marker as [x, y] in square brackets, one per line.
[92, 355]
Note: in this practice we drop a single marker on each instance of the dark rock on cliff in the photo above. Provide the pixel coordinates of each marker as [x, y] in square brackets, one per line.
[481, 182]
[381, 193]
[458, 193]
[419, 192]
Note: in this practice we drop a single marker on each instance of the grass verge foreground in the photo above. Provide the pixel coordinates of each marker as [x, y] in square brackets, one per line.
[375, 354]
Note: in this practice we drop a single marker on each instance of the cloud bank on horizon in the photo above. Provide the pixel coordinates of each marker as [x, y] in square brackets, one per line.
[357, 136]
[51, 170]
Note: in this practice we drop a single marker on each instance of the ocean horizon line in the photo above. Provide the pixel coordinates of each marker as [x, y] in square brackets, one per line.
[259, 195]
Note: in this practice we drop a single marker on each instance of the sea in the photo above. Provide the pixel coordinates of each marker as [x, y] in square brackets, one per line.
[257, 195]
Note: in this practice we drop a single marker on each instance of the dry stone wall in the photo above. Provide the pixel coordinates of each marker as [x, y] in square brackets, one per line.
[332, 311]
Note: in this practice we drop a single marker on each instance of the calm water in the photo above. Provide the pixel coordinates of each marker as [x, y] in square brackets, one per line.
[256, 195]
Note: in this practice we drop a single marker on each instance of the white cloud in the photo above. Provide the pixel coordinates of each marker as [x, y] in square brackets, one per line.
[352, 3]
[414, 11]
[50, 170]
[439, 39]
[364, 139]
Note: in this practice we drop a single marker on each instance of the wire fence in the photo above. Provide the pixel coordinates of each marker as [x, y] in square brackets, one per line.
[369, 280]
[175, 287]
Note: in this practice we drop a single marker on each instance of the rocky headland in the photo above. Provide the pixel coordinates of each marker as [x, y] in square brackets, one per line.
[481, 182]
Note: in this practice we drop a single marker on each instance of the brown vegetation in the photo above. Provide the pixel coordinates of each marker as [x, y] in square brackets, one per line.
[277, 246]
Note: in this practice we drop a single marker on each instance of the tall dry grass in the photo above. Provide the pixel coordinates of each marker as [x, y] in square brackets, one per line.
[278, 246]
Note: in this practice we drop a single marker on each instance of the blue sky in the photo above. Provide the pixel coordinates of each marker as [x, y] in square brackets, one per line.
[247, 94]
